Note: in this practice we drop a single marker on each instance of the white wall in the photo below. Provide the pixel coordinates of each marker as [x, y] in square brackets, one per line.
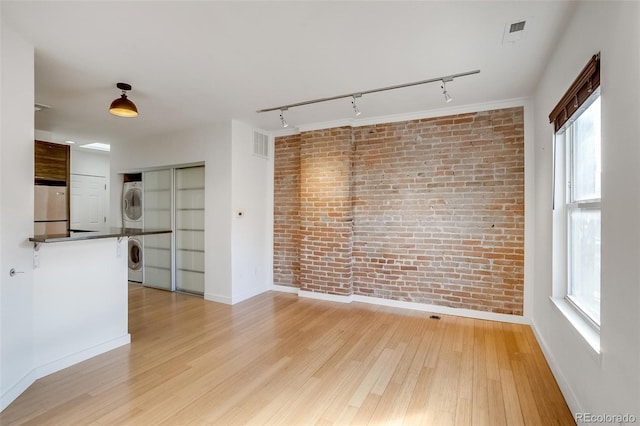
[608, 383]
[92, 163]
[211, 145]
[251, 233]
[238, 250]
[16, 209]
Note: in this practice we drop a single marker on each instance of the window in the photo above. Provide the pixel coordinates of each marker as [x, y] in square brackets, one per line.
[577, 205]
[582, 211]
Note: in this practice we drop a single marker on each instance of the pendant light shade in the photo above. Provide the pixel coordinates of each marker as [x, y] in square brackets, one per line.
[123, 107]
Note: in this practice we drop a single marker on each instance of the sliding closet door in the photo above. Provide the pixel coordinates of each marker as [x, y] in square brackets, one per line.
[190, 229]
[157, 214]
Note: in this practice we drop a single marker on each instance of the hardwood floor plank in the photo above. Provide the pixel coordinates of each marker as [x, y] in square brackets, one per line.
[480, 408]
[511, 400]
[420, 404]
[280, 359]
[525, 395]
[495, 407]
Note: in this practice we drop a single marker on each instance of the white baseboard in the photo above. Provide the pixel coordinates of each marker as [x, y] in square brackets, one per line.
[218, 298]
[325, 296]
[52, 367]
[285, 288]
[563, 384]
[68, 361]
[445, 310]
[247, 295]
[424, 307]
[16, 390]
[213, 297]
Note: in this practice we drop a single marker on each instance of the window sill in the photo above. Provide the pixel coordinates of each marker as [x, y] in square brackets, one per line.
[584, 329]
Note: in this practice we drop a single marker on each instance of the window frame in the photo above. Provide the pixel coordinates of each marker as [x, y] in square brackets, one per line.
[563, 191]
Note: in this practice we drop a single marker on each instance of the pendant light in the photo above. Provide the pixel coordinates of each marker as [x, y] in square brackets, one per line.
[123, 107]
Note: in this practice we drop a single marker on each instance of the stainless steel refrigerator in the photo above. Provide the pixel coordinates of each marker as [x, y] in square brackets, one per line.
[51, 212]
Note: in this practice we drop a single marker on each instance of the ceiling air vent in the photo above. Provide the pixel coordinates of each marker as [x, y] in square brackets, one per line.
[260, 145]
[514, 31]
[518, 26]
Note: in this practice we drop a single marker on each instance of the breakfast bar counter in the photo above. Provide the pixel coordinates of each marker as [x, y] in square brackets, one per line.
[80, 296]
[77, 235]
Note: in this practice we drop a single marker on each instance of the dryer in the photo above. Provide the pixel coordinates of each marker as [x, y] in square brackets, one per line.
[132, 205]
[135, 259]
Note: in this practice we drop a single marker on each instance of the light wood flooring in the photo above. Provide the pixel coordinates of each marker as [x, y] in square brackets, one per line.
[283, 360]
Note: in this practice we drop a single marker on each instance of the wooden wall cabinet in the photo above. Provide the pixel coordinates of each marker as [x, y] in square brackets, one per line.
[52, 163]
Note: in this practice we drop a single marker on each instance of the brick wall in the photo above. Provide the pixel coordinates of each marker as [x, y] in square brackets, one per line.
[439, 211]
[286, 227]
[325, 211]
[437, 208]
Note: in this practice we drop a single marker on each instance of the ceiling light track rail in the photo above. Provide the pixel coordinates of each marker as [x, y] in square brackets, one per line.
[443, 79]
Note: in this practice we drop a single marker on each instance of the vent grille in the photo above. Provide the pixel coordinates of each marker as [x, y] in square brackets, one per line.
[514, 31]
[260, 145]
[517, 26]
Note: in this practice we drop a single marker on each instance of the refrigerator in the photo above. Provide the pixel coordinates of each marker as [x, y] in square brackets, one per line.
[51, 210]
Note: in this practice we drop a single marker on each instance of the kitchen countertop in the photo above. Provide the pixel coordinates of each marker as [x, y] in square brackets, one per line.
[78, 235]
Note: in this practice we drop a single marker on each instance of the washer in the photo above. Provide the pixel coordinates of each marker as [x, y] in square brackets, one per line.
[135, 259]
[132, 205]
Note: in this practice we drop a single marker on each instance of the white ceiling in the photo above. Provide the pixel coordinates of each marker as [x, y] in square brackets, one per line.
[193, 63]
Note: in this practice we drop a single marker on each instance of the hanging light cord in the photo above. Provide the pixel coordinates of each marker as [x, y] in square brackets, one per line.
[366, 92]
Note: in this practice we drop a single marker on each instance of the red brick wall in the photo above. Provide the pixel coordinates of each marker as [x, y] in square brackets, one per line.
[325, 211]
[437, 207]
[439, 211]
[286, 227]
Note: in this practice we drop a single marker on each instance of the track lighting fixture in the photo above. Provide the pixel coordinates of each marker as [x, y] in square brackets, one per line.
[282, 120]
[355, 95]
[123, 107]
[447, 97]
[356, 110]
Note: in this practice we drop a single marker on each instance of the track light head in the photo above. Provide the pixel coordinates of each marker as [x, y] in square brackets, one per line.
[356, 110]
[282, 120]
[447, 97]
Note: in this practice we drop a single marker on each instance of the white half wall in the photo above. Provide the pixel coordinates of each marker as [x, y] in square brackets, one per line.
[608, 382]
[16, 215]
[211, 145]
[80, 302]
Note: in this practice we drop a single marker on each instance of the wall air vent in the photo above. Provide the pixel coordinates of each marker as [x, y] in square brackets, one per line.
[260, 145]
[514, 31]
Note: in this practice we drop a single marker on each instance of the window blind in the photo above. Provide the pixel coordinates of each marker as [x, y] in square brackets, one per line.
[584, 85]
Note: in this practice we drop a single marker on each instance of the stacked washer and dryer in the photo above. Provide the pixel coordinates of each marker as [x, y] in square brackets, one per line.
[132, 218]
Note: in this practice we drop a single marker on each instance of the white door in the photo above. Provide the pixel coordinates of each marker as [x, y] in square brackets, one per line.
[88, 202]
